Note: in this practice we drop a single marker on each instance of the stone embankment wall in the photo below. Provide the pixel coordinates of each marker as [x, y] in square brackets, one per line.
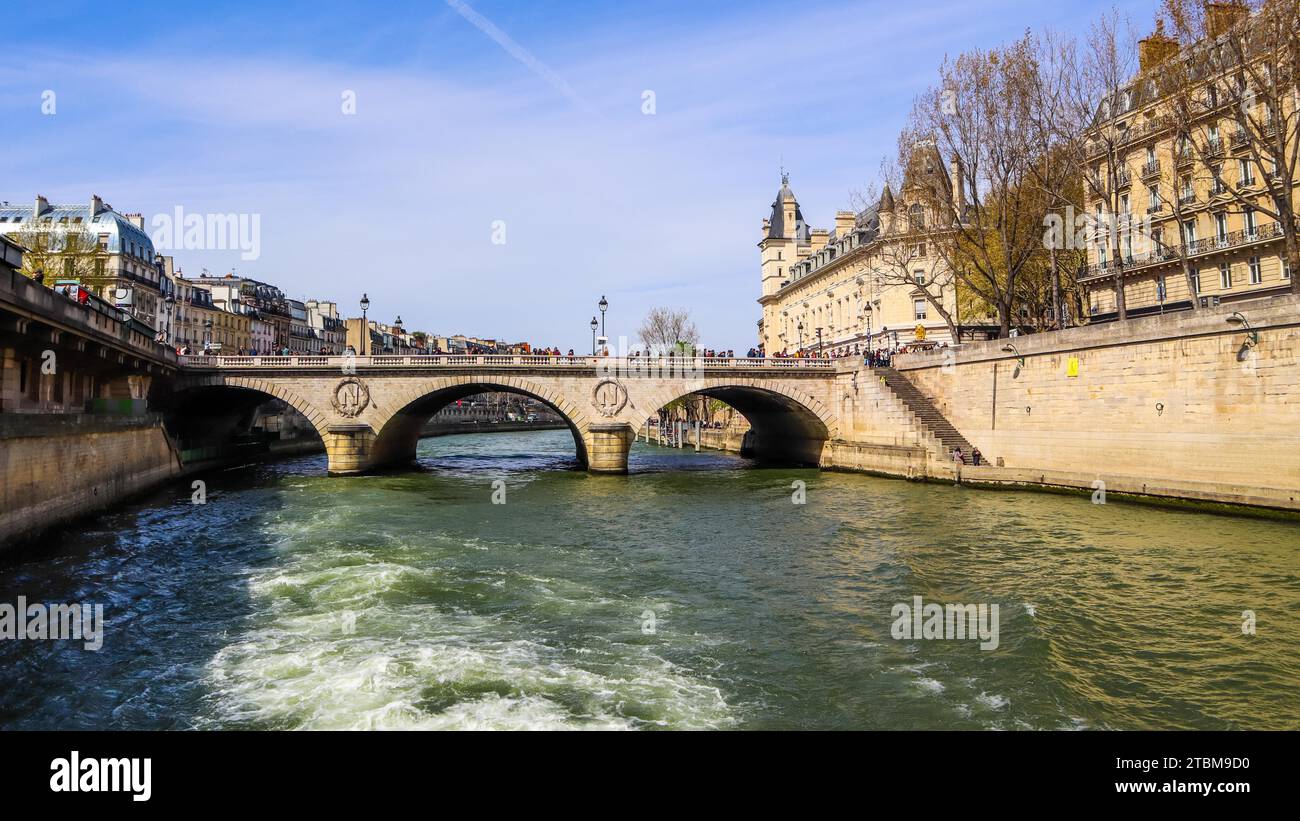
[54, 468]
[1168, 406]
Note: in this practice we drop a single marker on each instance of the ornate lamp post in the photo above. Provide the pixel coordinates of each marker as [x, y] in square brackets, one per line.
[594, 326]
[365, 326]
[604, 306]
[169, 303]
[819, 341]
[799, 328]
[207, 333]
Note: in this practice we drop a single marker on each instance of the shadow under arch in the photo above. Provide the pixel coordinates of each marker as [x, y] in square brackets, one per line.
[396, 441]
[220, 413]
[783, 430]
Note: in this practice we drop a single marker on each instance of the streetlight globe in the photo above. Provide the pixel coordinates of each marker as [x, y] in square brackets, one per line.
[365, 302]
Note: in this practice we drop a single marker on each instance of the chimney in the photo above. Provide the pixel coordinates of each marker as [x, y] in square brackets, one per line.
[42, 205]
[1156, 49]
[96, 205]
[844, 222]
[818, 239]
[1219, 17]
[136, 219]
[958, 186]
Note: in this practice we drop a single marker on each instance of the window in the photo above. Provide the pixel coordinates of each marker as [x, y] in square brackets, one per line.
[1221, 227]
[919, 276]
[1225, 276]
[1189, 232]
[1196, 280]
[1247, 175]
[918, 306]
[1219, 187]
[1255, 276]
[1251, 227]
[916, 217]
[1286, 267]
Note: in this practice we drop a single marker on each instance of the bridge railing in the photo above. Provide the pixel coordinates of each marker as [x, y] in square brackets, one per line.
[500, 361]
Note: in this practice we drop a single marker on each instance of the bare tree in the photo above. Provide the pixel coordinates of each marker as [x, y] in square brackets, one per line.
[1093, 97]
[665, 330]
[981, 116]
[58, 251]
[1056, 143]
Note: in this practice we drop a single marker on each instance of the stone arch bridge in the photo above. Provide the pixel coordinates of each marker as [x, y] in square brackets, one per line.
[369, 411]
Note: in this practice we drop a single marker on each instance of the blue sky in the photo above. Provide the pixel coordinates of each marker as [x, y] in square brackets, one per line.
[172, 105]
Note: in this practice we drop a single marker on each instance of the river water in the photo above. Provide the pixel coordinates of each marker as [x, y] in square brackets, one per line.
[694, 593]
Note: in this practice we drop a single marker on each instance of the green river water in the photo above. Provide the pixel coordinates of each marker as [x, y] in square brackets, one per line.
[693, 593]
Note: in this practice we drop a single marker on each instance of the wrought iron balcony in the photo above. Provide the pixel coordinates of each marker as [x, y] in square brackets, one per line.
[1168, 253]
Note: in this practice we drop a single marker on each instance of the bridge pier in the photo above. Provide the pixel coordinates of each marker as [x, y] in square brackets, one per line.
[608, 447]
[350, 448]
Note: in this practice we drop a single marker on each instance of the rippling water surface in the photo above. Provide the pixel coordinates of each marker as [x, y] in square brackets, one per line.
[292, 600]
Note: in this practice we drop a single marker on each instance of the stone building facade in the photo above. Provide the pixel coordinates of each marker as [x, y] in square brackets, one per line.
[874, 280]
[1174, 195]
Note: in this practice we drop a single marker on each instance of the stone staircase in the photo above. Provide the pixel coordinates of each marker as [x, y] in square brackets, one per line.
[934, 422]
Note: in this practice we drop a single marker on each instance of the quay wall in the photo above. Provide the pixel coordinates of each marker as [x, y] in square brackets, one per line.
[57, 467]
[1166, 406]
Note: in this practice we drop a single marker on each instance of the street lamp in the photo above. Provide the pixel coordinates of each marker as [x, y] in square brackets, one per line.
[207, 333]
[170, 303]
[1020, 360]
[800, 329]
[604, 306]
[365, 326]
[594, 326]
[1252, 335]
[819, 341]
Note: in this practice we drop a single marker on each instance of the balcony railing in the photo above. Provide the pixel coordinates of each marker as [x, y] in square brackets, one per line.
[1195, 248]
[559, 363]
[1150, 169]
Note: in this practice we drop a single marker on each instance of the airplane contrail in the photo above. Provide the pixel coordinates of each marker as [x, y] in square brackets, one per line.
[518, 52]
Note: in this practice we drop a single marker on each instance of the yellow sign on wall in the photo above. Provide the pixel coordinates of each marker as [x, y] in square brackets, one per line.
[920, 333]
[1072, 367]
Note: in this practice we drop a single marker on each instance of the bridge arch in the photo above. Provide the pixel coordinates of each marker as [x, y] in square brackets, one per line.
[398, 433]
[215, 405]
[787, 424]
